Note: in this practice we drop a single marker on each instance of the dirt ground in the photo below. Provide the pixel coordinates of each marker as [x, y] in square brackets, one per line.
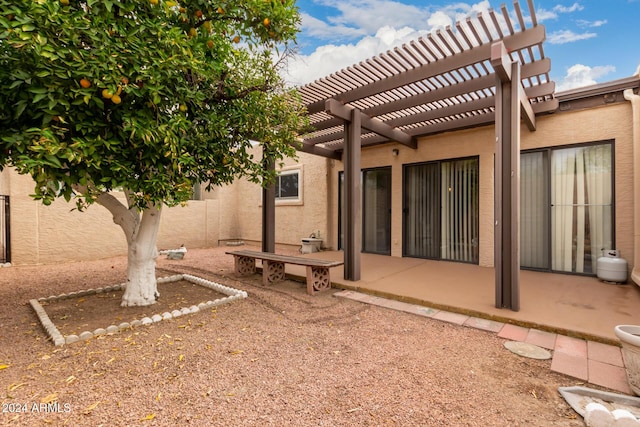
[278, 358]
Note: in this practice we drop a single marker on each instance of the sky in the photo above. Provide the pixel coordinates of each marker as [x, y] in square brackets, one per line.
[588, 41]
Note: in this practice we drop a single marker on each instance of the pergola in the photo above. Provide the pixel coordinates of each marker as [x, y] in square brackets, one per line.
[489, 69]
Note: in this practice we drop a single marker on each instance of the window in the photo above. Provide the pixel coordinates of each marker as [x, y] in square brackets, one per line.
[288, 185]
[441, 210]
[566, 207]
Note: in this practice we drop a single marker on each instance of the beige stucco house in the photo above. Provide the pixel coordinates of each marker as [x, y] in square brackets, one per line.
[596, 121]
[426, 190]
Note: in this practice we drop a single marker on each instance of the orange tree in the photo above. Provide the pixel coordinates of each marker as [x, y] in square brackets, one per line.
[149, 97]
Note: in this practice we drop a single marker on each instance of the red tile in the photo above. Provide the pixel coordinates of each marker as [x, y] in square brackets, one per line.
[514, 333]
[542, 338]
[605, 353]
[571, 346]
[573, 366]
[606, 375]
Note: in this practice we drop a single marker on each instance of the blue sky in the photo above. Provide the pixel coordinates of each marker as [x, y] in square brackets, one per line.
[588, 41]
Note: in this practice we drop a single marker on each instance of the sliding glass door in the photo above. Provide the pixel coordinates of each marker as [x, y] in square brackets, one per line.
[441, 210]
[376, 210]
[566, 207]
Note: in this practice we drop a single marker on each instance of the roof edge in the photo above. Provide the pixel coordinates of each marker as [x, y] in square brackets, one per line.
[599, 89]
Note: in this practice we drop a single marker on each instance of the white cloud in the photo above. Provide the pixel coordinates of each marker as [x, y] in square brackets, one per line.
[317, 28]
[568, 36]
[591, 24]
[355, 18]
[562, 9]
[328, 59]
[582, 75]
[366, 28]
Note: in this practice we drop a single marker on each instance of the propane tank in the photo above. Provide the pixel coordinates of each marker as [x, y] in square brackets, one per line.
[611, 267]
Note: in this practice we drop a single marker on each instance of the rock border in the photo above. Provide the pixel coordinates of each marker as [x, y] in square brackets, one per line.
[59, 340]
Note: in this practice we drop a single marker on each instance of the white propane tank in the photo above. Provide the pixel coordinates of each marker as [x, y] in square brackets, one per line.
[612, 268]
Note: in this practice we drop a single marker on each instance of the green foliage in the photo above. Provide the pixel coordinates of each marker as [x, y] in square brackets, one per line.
[151, 96]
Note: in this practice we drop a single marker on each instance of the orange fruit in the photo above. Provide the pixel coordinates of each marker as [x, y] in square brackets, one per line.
[85, 83]
[220, 10]
[153, 2]
[64, 2]
[236, 39]
[193, 32]
[199, 13]
[107, 94]
[266, 22]
[210, 44]
[183, 108]
[116, 99]
[183, 10]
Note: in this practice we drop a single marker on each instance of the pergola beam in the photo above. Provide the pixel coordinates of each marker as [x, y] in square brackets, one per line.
[345, 112]
[501, 63]
[445, 126]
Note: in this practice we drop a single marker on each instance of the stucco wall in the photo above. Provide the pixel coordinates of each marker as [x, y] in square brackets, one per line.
[597, 124]
[49, 234]
[241, 206]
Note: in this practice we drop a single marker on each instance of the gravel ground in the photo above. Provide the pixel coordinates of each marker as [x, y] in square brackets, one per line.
[278, 358]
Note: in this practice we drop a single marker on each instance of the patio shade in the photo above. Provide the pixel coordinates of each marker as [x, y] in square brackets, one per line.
[438, 83]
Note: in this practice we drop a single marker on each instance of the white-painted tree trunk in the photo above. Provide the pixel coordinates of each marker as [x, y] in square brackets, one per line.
[141, 231]
[142, 288]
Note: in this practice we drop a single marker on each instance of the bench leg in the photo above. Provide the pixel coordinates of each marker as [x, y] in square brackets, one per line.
[317, 279]
[272, 271]
[244, 265]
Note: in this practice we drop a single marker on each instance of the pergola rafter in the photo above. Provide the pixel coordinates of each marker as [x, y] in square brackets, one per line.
[486, 70]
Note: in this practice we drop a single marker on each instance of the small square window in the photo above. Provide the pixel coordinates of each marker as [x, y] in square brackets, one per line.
[288, 185]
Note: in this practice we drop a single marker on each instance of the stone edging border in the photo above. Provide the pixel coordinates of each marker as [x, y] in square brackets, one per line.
[59, 340]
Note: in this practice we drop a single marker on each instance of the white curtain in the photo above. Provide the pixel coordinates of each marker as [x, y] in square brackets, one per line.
[581, 207]
[600, 199]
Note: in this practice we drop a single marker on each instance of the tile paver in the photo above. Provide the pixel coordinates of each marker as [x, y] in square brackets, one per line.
[542, 338]
[513, 333]
[449, 317]
[610, 376]
[604, 353]
[484, 324]
[571, 346]
[567, 364]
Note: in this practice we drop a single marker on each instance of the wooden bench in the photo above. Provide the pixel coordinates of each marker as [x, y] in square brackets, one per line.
[273, 268]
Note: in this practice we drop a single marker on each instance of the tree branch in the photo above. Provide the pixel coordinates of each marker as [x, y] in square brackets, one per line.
[125, 217]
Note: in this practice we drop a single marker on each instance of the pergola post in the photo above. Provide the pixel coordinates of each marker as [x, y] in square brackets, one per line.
[352, 212]
[268, 210]
[507, 179]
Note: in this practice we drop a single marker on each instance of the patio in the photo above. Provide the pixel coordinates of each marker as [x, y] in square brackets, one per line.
[577, 306]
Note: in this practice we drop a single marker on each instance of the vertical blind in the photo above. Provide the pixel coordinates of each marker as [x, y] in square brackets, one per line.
[442, 210]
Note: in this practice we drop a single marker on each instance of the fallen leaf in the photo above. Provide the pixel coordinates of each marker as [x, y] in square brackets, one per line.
[181, 357]
[234, 352]
[91, 408]
[4, 367]
[148, 417]
[50, 398]
[15, 386]
[70, 379]
[158, 396]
